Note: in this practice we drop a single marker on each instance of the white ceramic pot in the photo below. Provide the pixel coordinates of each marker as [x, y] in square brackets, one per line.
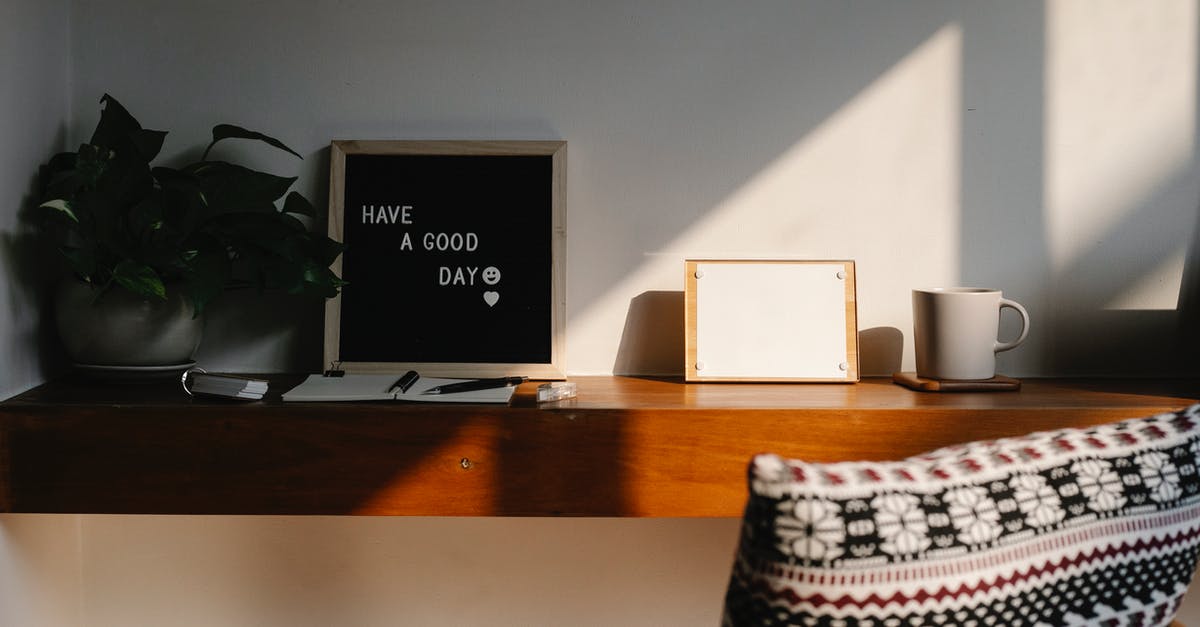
[123, 329]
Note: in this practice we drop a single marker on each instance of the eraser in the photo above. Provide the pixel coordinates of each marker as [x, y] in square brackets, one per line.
[555, 391]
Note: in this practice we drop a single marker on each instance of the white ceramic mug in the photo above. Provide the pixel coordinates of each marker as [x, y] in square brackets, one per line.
[955, 331]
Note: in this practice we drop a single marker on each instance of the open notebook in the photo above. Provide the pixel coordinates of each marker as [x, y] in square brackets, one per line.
[374, 387]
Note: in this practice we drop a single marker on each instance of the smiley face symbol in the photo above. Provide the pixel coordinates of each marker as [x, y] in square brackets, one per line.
[491, 275]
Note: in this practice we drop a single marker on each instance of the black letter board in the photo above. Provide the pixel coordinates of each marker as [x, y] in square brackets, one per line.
[454, 257]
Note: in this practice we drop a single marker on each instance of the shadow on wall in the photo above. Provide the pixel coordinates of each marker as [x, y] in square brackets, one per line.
[653, 340]
[274, 328]
[1189, 299]
[880, 351]
[1015, 222]
[1078, 325]
[32, 267]
[1094, 338]
[1088, 335]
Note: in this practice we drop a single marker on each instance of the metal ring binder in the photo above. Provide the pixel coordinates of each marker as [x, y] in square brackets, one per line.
[183, 379]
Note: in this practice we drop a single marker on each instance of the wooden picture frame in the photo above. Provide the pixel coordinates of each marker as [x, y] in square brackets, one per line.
[475, 211]
[770, 320]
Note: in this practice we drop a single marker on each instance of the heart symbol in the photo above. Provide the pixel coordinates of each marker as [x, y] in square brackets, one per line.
[491, 298]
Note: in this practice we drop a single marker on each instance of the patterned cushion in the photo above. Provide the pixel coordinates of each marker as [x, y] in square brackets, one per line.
[1094, 526]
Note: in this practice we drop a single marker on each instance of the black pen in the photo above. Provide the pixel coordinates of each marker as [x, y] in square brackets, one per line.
[477, 384]
[405, 382]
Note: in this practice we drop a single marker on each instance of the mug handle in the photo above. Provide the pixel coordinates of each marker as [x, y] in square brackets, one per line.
[1003, 346]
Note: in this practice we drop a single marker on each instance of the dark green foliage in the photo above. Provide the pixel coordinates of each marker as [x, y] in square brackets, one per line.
[207, 227]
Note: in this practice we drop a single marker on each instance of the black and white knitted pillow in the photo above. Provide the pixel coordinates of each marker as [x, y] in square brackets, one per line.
[1096, 526]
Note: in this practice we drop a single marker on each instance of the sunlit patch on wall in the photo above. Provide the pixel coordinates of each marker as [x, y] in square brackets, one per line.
[877, 181]
[1157, 289]
[1120, 124]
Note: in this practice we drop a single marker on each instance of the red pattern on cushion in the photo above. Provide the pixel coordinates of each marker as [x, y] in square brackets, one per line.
[1073, 527]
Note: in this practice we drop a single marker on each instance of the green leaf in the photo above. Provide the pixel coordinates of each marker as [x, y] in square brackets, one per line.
[232, 188]
[124, 179]
[170, 178]
[82, 261]
[210, 225]
[320, 281]
[229, 131]
[182, 188]
[91, 163]
[62, 161]
[148, 143]
[145, 214]
[93, 160]
[292, 223]
[210, 271]
[58, 178]
[327, 250]
[120, 131]
[62, 206]
[63, 184]
[139, 279]
[116, 124]
[296, 203]
[184, 204]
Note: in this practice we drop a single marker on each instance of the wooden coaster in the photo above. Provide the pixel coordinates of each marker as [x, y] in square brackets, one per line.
[998, 383]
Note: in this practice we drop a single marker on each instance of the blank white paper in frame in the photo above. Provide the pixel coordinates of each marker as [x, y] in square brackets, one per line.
[771, 321]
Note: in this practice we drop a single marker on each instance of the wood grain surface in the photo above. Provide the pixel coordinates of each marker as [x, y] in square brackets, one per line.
[625, 446]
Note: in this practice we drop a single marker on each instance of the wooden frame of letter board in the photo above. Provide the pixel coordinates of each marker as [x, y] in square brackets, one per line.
[557, 151]
[693, 374]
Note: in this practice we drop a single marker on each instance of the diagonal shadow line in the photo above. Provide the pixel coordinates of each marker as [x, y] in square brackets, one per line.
[732, 79]
[1189, 288]
[1137, 239]
[1072, 334]
[647, 345]
[1001, 185]
[525, 441]
[30, 263]
[1085, 338]
[1000, 92]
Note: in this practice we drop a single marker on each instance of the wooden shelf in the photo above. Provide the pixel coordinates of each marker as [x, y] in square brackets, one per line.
[625, 447]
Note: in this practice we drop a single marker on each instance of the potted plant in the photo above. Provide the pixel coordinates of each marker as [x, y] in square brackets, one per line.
[151, 246]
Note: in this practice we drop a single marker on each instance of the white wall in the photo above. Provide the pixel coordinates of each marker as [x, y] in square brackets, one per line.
[1047, 149]
[40, 566]
[34, 114]
[313, 571]
[39, 557]
[1044, 149]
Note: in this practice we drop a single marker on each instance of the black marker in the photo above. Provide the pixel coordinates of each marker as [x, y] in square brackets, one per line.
[477, 384]
[405, 382]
